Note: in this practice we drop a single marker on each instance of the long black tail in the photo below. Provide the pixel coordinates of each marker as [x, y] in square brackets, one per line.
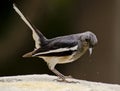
[38, 37]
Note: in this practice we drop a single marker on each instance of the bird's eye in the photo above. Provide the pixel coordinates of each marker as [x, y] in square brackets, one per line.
[87, 40]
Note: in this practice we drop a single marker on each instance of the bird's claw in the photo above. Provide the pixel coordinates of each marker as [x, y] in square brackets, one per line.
[64, 79]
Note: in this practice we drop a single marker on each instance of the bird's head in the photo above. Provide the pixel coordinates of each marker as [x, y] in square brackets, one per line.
[90, 39]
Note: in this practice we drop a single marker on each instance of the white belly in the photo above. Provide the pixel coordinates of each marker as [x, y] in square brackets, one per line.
[58, 60]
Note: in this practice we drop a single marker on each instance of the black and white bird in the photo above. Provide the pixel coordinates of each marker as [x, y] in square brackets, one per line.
[59, 50]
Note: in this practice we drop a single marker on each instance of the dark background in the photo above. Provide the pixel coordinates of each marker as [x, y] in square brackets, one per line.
[61, 17]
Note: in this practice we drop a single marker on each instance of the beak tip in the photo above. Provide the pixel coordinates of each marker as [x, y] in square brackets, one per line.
[90, 51]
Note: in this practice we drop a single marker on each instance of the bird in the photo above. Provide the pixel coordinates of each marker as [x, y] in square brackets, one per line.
[58, 50]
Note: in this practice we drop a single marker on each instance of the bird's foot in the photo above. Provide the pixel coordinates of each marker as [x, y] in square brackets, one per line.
[63, 79]
[69, 76]
[66, 81]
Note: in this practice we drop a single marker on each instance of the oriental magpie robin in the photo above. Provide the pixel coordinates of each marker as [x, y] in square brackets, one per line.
[59, 50]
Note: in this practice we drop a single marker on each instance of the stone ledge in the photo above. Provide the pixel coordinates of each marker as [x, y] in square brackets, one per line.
[47, 83]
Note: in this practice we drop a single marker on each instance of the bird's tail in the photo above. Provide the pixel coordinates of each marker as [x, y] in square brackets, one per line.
[38, 37]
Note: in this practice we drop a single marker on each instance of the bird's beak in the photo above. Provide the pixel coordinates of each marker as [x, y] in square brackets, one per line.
[90, 50]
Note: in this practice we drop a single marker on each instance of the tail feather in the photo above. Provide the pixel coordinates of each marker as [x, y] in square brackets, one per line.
[29, 54]
[38, 37]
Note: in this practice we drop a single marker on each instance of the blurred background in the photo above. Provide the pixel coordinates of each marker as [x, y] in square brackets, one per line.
[57, 18]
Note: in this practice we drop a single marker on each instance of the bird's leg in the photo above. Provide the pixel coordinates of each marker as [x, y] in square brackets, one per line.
[51, 65]
[62, 78]
[60, 75]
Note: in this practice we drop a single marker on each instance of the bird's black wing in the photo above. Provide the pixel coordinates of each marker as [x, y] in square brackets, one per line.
[58, 47]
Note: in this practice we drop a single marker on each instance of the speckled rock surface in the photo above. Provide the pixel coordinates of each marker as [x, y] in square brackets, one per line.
[48, 83]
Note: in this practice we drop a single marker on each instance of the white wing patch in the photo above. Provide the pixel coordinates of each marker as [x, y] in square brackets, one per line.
[34, 34]
[36, 39]
[58, 50]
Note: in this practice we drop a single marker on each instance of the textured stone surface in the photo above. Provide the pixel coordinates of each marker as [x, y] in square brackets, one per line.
[48, 83]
